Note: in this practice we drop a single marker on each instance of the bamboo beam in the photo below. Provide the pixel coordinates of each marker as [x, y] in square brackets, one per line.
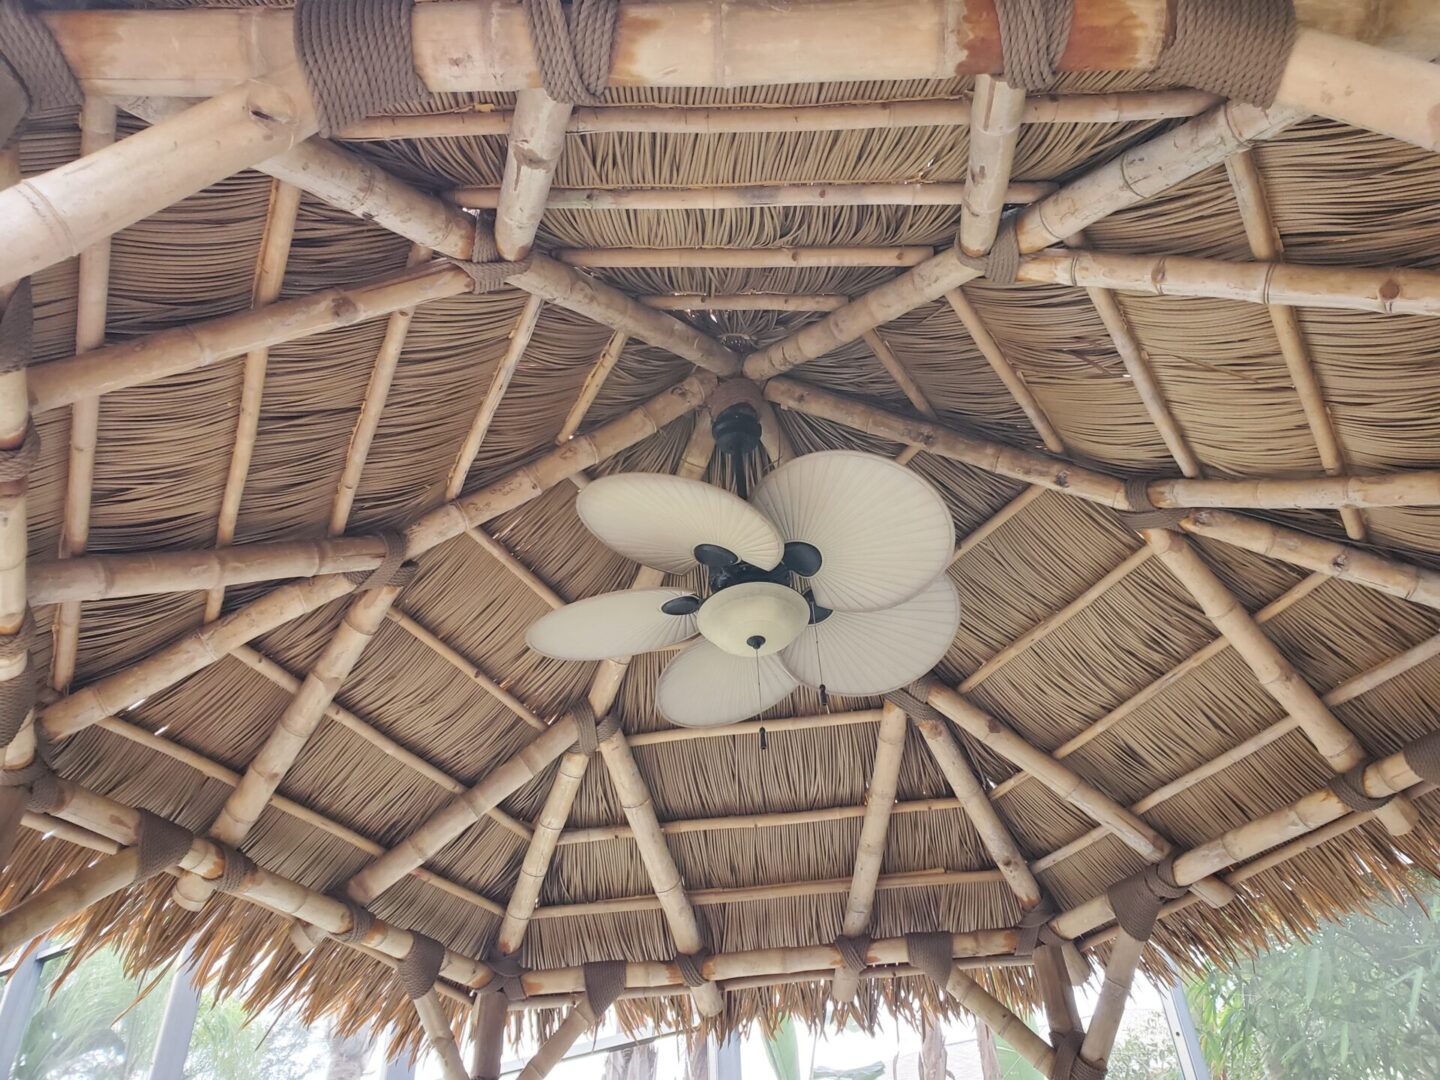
[750, 196]
[97, 130]
[439, 1035]
[897, 371]
[377, 391]
[1388, 290]
[594, 381]
[1276, 675]
[990, 1010]
[269, 276]
[522, 573]
[536, 139]
[520, 335]
[870, 849]
[744, 302]
[487, 1036]
[742, 258]
[1114, 108]
[1139, 173]
[1114, 993]
[1266, 245]
[996, 521]
[996, 112]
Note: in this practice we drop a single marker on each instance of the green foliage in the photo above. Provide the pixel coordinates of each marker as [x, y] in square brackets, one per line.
[1144, 1051]
[783, 1052]
[1362, 1001]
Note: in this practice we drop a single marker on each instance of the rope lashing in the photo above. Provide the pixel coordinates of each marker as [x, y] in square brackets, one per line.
[17, 324]
[1349, 788]
[852, 952]
[421, 967]
[1035, 929]
[691, 967]
[1069, 1065]
[392, 569]
[1144, 514]
[1235, 48]
[161, 843]
[33, 65]
[1033, 35]
[589, 733]
[604, 982]
[931, 953]
[1137, 900]
[361, 921]
[357, 57]
[41, 784]
[911, 700]
[235, 868]
[507, 972]
[1001, 264]
[573, 46]
[488, 272]
[17, 695]
[1423, 757]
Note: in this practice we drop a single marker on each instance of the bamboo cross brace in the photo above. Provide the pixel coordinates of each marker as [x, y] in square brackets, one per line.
[989, 1009]
[97, 130]
[907, 384]
[536, 140]
[1266, 246]
[747, 196]
[520, 335]
[594, 381]
[440, 1036]
[870, 848]
[269, 276]
[522, 573]
[996, 111]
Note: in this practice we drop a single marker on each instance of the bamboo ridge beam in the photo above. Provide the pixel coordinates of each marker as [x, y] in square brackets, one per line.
[745, 302]
[1116, 108]
[746, 196]
[743, 258]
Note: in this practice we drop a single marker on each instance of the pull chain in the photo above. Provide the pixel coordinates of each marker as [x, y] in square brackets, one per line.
[820, 670]
[759, 700]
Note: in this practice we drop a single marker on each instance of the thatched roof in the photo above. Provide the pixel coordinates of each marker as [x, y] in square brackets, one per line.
[1136, 654]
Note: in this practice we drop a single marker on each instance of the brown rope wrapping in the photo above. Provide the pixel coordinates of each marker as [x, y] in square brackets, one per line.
[1137, 900]
[488, 272]
[588, 733]
[1033, 35]
[604, 982]
[931, 953]
[17, 695]
[1069, 1065]
[17, 322]
[236, 867]
[16, 463]
[1035, 928]
[911, 700]
[392, 569]
[852, 952]
[1144, 514]
[573, 46]
[421, 967]
[357, 57]
[161, 843]
[35, 66]
[1423, 757]
[1235, 48]
[1349, 788]
[691, 965]
[43, 786]
[361, 921]
[507, 973]
[1001, 264]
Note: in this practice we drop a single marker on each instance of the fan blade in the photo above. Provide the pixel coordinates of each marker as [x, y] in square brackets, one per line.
[704, 686]
[873, 652]
[612, 624]
[659, 520]
[883, 533]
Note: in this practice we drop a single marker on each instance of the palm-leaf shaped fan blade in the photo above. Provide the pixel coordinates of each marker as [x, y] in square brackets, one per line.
[659, 520]
[880, 532]
[615, 624]
[704, 686]
[874, 652]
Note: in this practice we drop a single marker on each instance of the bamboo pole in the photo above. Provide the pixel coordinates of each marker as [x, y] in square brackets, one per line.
[744, 302]
[39, 912]
[1389, 290]
[897, 371]
[594, 381]
[1114, 108]
[269, 276]
[487, 1036]
[291, 732]
[59, 214]
[1056, 992]
[520, 335]
[387, 359]
[97, 130]
[1114, 993]
[1276, 675]
[743, 258]
[996, 112]
[536, 138]
[522, 573]
[749, 196]
[870, 848]
[580, 1019]
[1266, 246]
[989, 1009]
[1141, 172]
[439, 1035]
[991, 525]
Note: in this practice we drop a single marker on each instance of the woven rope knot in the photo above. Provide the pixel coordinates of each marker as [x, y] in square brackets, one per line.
[361, 921]
[852, 952]
[1033, 34]
[932, 954]
[573, 46]
[235, 868]
[1235, 48]
[488, 272]
[393, 569]
[911, 700]
[1349, 788]
[507, 972]
[17, 695]
[604, 982]
[1069, 1065]
[357, 57]
[17, 324]
[589, 733]
[34, 66]
[1423, 757]
[16, 463]
[1001, 264]
[421, 967]
[1143, 513]
[691, 967]
[1035, 928]
[1137, 900]
[41, 784]
[161, 843]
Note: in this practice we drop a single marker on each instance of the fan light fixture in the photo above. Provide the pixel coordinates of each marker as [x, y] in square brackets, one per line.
[837, 562]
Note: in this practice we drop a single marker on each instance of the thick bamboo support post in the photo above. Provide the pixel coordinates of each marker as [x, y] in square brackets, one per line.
[187, 655]
[522, 573]
[440, 1037]
[991, 1010]
[537, 137]
[487, 1036]
[994, 833]
[594, 382]
[580, 1019]
[749, 196]
[60, 213]
[292, 731]
[1276, 675]
[1266, 245]
[97, 131]
[634, 795]
[870, 849]
[1114, 993]
[387, 359]
[1389, 290]
[202, 344]
[996, 112]
[735, 119]
[520, 335]
[269, 276]
[1056, 992]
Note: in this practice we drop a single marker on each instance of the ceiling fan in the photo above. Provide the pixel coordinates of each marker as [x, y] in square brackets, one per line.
[832, 575]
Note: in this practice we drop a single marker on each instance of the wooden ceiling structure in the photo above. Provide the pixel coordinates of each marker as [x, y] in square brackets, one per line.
[292, 465]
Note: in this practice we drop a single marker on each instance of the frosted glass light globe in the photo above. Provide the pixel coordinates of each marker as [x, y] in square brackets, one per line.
[754, 619]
